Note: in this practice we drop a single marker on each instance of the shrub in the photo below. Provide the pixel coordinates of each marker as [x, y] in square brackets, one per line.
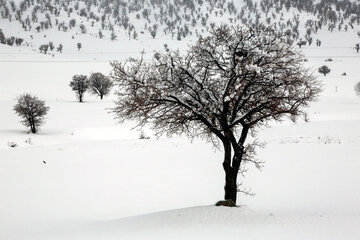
[357, 88]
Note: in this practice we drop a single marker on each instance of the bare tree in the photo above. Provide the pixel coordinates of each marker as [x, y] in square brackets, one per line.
[79, 84]
[225, 86]
[32, 110]
[100, 84]
[324, 70]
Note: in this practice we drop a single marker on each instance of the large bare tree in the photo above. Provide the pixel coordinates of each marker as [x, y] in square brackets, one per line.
[225, 86]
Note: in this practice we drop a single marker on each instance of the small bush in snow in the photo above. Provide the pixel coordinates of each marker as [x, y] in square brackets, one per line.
[12, 144]
[83, 28]
[59, 48]
[143, 135]
[44, 48]
[357, 88]
[32, 110]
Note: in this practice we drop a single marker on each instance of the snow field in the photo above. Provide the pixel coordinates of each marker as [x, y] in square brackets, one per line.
[101, 182]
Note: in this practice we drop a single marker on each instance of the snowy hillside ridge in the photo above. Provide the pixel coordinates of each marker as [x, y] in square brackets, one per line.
[115, 20]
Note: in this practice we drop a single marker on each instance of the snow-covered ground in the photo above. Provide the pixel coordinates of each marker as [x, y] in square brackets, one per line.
[100, 181]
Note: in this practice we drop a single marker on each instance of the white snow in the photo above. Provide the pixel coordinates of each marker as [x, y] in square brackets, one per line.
[101, 182]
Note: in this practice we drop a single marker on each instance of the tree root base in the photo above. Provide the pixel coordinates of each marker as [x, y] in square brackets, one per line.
[226, 203]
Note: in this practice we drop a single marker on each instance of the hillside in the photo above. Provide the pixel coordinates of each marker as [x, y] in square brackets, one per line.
[60, 25]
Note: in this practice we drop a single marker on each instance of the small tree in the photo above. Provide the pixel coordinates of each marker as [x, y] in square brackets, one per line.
[19, 41]
[83, 28]
[79, 85]
[324, 70]
[2, 37]
[51, 46]
[79, 46]
[113, 36]
[32, 110]
[357, 88]
[99, 84]
[226, 85]
[59, 48]
[44, 48]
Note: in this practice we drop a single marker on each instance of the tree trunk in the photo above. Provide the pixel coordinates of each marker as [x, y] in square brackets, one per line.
[33, 129]
[231, 164]
[230, 184]
[230, 174]
[101, 96]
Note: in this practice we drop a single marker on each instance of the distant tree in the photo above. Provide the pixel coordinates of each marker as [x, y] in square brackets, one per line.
[10, 41]
[2, 37]
[79, 84]
[101, 35]
[72, 23]
[226, 85]
[51, 46]
[83, 28]
[324, 70]
[83, 12]
[19, 41]
[357, 88]
[301, 43]
[153, 33]
[32, 110]
[60, 48]
[135, 35]
[99, 84]
[79, 46]
[113, 36]
[178, 36]
[44, 48]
